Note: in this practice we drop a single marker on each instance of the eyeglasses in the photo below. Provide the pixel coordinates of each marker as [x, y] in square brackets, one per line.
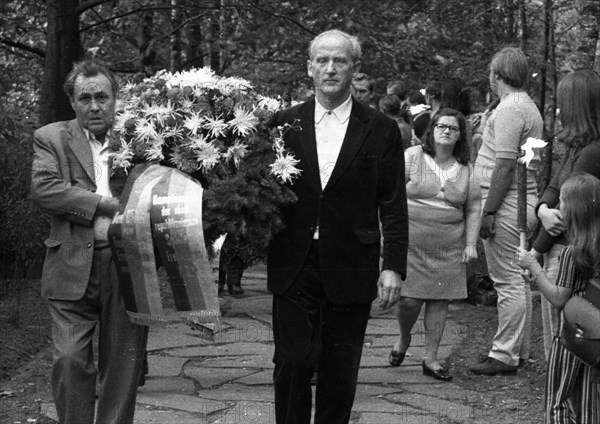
[444, 127]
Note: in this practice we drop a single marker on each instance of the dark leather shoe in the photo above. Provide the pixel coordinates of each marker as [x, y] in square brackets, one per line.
[396, 358]
[235, 290]
[439, 374]
[493, 366]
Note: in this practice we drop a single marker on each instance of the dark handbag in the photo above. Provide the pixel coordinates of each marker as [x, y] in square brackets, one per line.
[581, 329]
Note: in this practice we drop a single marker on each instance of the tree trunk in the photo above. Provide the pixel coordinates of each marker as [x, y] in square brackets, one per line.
[549, 62]
[215, 31]
[63, 48]
[176, 20]
[523, 19]
[587, 52]
[147, 54]
[194, 57]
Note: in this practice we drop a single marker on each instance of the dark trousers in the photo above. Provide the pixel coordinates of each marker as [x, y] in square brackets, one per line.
[121, 349]
[307, 329]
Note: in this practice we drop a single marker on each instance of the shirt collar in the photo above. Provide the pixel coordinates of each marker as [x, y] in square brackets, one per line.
[342, 112]
[91, 138]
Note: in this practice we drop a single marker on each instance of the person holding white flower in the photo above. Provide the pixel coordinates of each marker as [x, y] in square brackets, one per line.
[71, 181]
[513, 121]
[323, 268]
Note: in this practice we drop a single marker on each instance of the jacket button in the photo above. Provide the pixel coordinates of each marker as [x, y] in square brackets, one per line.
[89, 245]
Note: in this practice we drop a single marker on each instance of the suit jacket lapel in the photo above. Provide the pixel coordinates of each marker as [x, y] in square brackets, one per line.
[80, 146]
[357, 130]
[308, 142]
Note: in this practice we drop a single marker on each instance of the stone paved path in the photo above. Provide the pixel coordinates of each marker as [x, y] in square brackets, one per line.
[229, 381]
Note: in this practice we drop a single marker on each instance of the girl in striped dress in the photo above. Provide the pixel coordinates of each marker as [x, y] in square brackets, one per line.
[572, 393]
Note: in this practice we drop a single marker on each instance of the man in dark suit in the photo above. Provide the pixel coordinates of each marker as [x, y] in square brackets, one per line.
[323, 267]
[71, 181]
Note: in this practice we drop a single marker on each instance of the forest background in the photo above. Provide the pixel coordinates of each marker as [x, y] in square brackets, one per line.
[264, 41]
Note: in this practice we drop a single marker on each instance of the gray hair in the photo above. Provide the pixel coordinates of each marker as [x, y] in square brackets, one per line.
[356, 52]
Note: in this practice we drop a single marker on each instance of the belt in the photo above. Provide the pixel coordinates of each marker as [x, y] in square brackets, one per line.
[101, 244]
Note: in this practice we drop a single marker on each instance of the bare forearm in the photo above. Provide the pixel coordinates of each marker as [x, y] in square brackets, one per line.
[501, 181]
[556, 295]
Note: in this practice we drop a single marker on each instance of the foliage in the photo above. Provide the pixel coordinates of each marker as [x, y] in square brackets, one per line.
[22, 225]
[216, 129]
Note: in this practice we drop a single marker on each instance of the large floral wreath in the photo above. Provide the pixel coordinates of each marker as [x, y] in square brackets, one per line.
[216, 130]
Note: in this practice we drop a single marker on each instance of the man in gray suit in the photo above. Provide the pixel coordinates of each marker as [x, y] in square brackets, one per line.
[71, 182]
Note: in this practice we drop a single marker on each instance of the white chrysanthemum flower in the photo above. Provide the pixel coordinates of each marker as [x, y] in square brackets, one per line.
[158, 113]
[268, 103]
[128, 88]
[237, 152]
[121, 119]
[284, 167]
[228, 85]
[173, 132]
[145, 130]
[154, 152]
[244, 122]
[208, 156]
[121, 158]
[194, 122]
[216, 126]
[197, 143]
[187, 104]
[204, 78]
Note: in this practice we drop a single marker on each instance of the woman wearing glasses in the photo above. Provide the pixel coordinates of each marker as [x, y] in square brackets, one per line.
[443, 208]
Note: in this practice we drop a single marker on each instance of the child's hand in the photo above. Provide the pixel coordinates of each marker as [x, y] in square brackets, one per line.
[526, 259]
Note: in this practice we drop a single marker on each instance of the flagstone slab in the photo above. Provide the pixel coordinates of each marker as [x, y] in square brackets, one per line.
[235, 392]
[227, 349]
[366, 403]
[374, 390]
[240, 330]
[407, 417]
[180, 402]
[434, 405]
[164, 338]
[178, 385]
[246, 412]
[212, 377]
[165, 366]
[145, 415]
[246, 362]
[258, 379]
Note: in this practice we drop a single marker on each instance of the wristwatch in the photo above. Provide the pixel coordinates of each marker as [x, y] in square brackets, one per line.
[486, 212]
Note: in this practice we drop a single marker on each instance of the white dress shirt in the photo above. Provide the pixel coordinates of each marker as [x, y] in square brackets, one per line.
[330, 130]
[102, 177]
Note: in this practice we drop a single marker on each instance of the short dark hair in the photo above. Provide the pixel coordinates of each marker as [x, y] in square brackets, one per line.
[89, 68]
[390, 104]
[434, 90]
[416, 98]
[398, 88]
[462, 151]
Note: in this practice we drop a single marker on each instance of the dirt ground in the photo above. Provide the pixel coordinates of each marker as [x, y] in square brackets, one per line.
[25, 359]
[517, 399]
